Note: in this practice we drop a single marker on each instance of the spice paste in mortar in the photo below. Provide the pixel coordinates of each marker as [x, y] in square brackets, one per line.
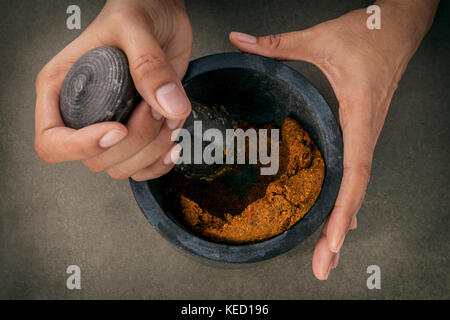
[271, 205]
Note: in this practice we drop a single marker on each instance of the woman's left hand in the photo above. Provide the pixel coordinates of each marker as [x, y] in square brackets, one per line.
[364, 67]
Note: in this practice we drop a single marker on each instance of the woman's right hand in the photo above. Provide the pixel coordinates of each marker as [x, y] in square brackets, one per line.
[156, 36]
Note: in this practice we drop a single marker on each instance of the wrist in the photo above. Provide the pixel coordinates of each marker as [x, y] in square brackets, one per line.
[404, 23]
[143, 4]
[407, 20]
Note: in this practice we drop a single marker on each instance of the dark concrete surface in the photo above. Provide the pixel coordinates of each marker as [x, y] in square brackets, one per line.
[53, 216]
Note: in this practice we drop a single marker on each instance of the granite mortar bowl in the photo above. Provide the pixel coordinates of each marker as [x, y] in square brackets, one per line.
[259, 90]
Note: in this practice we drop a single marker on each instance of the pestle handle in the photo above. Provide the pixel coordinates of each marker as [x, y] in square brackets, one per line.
[98, 88]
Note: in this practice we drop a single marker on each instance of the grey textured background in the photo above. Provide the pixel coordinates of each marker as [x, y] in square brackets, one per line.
[52, 216]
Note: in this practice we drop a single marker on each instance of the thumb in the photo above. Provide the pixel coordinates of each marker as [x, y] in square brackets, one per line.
[60, 144]
[153, 75]
[297, 45]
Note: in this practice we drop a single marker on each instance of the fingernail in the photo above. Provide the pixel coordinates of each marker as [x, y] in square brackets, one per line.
[172, 99]
[111, 138]
[172, 156]
[156, 115]
[335, 261]
[243, 37]
[172, 124]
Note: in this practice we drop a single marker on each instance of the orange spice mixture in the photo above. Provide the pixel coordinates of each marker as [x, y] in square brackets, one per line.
[270, 206]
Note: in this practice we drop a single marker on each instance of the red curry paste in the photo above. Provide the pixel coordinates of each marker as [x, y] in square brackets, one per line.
[270, 206]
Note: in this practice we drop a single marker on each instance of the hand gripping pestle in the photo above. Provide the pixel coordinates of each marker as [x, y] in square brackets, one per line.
[99, 88]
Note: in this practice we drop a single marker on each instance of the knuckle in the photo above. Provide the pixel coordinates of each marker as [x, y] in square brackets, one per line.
[41, 152]
[88, 150]
[140, 177]
[93, 165]
[273, 41]
[144, 65]
[117, 173]
[50, 75]
[42, 77]
[149, 174]
[143, 137]
[146, 176]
